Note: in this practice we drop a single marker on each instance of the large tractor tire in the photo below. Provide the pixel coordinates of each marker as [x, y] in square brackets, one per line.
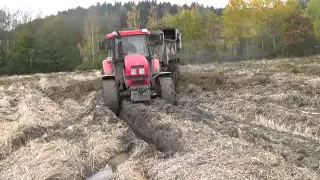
[175, 75]
[168, 92]
[175, 69]
[110, 95]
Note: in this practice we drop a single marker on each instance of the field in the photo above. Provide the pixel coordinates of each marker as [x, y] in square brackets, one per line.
[243, 120]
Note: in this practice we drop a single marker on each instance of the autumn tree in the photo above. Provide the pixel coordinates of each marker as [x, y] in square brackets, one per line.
[313, 12]
[297, 30]
[91, 35]
[238, 24]
[214, 29]
[244, 29]
[152, 18]
[133, 18]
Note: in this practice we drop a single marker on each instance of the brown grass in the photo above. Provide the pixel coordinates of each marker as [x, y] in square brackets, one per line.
[243, 120]
[210, 153]
[65, 136]
[237, 121]
[254, 92]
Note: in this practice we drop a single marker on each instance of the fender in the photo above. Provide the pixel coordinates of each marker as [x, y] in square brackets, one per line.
[161, 74]
[155, 65]
[107, 72]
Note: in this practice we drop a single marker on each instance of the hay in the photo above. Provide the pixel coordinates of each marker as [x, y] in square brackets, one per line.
[57, 159]
[57, 137]
[246, 120]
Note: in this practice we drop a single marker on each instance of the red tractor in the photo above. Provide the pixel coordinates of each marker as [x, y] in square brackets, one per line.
[140, 65]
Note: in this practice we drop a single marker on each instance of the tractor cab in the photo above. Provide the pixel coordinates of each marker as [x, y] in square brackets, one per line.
[134, 44]
[129, 42]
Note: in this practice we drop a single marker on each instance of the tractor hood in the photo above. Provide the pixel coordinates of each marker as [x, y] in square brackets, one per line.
[136, 70]
[136, 65]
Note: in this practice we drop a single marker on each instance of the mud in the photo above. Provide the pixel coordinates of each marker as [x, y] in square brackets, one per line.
[148, 125]
[109, 171]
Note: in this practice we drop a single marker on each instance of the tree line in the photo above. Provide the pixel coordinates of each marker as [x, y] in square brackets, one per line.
[244, 29]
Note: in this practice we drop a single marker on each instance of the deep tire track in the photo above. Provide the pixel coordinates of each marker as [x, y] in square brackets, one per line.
[147, 125]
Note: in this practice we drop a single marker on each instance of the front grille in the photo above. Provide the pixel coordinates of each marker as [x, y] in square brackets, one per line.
[138, 82]
[137, 77]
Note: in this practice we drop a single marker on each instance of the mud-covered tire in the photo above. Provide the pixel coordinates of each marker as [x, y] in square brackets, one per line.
[175, 69]
[110, 95]
[177, 79]
[168, 92]
[175, 75]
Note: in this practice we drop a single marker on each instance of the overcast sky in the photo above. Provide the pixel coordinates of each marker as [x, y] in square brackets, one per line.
[53, 6]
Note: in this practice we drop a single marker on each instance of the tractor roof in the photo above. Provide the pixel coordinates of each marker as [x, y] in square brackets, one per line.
[128, 33]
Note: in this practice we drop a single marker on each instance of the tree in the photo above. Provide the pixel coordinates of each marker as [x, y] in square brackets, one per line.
[91, 35]
[238, 24]
[245, 29]
[152, 18]
[313, 12]
[21, 54]
[133, 18]
[297, 30]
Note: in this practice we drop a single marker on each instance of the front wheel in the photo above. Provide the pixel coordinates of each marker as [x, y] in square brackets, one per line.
[168, 92]
[110, 95]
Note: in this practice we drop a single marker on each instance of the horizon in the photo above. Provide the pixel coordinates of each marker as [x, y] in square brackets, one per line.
[53, 7]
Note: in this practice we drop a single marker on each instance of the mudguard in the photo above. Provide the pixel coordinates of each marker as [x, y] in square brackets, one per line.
[107, 71]
[161, 74]
[155, 66]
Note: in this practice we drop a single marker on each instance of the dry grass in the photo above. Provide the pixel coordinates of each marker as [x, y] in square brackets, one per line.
[245, 120]
[260, 99]
[227, 158]
[263, 91]
[67, 135]
[58, 159]
[237, 121]
[206, 151]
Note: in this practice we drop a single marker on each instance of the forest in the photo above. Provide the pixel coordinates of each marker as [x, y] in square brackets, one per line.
[243, 30]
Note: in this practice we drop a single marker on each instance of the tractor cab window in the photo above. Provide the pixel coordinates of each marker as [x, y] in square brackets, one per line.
[133, 45]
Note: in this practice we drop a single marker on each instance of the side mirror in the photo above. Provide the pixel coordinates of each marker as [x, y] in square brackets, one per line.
[180, 41]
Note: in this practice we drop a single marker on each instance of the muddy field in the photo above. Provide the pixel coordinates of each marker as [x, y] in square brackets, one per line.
[248, 120]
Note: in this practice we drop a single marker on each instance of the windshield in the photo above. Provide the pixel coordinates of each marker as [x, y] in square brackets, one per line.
[134, 45]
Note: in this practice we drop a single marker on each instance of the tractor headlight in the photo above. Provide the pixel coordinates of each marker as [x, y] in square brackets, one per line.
[141, 71]
[133, 72]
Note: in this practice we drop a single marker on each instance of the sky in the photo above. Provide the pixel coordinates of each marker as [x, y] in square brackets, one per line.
[53, 6]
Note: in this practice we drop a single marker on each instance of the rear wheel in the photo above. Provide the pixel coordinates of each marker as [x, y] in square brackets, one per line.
[175, 75]
[110, 95]
[168, 92]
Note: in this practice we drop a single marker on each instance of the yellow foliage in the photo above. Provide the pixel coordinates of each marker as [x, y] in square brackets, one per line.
[133, 18]
[245, 18]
